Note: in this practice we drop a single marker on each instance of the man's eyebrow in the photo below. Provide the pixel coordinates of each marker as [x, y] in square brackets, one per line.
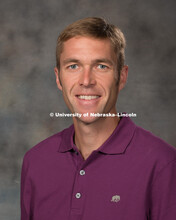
[70, 60]
[73, 60]
[103, 61]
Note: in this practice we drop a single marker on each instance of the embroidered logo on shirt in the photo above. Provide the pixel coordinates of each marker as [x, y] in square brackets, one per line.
[115, 198]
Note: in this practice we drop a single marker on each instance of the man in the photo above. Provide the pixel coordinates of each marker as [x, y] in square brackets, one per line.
[100, 168]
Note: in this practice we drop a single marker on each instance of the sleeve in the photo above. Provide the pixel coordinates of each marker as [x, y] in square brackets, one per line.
[26, 191]
[163, 194]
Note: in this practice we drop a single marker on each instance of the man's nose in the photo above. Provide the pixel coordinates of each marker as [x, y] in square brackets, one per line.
[87, 77]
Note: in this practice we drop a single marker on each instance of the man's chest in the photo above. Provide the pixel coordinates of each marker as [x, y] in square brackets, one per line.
[105, 188]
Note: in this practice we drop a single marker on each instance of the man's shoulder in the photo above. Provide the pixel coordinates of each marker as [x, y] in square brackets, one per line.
[153, 147]
[48, 146]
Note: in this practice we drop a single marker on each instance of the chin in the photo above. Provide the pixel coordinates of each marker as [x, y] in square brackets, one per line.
[88, 119]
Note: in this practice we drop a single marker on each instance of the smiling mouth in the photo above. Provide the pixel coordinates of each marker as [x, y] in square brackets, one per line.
[88, 97]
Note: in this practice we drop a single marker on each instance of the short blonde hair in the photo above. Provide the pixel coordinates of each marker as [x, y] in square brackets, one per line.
[97, 28]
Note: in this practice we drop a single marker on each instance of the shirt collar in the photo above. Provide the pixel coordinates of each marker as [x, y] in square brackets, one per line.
[115, 144]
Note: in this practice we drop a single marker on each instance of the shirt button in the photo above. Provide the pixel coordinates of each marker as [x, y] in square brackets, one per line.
[78, 195]
[82, 172]
[76, 152]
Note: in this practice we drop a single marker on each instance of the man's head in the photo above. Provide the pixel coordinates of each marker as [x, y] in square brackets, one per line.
[94, 27]
[90, 68]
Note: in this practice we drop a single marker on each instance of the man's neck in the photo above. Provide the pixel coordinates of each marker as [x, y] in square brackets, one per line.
[89, 137]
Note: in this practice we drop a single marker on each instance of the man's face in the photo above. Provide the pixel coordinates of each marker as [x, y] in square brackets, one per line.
[88, 76]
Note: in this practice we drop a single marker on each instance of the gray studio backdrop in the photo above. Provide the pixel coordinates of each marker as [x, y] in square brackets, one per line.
[28, 93]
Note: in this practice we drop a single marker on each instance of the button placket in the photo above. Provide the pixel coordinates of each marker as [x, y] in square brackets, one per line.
[82, 173]
[78, 196]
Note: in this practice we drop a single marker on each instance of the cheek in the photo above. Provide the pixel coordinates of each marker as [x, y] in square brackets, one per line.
[109, 84]
[67, 86]
[113, 89]
[69, 79]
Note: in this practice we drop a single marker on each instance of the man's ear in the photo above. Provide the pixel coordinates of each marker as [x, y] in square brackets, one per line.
[123, 77]
[58, 81]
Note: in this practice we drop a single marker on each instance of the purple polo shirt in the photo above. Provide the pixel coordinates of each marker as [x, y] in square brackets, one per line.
[132, 176]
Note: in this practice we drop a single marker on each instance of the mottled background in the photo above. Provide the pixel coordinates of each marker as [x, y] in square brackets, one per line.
[28, 93]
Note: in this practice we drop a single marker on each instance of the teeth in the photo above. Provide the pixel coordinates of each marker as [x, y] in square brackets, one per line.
[88, 97]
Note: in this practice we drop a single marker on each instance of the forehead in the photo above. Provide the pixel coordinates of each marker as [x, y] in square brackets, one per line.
[80, 47]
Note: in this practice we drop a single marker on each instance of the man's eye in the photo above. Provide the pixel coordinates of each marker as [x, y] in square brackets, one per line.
[101, 66]
[73, 66]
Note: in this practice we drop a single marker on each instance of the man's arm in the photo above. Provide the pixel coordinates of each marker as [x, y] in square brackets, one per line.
[163, 194]
[25, 192]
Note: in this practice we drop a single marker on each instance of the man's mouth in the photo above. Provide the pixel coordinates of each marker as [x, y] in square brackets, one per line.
[88, 97]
